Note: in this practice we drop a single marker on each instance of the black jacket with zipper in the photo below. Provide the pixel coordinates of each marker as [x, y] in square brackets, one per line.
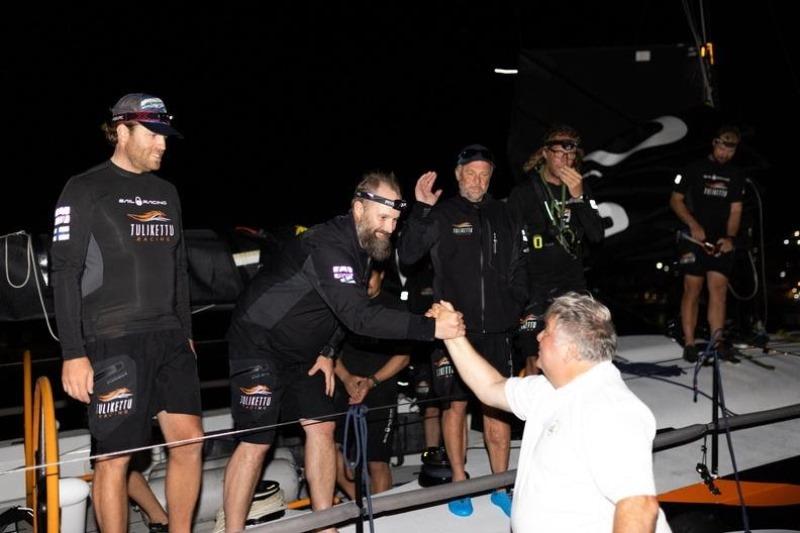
[477, 259]
[319, 283]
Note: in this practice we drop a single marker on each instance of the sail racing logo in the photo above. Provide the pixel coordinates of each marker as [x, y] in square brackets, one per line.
[115, 403]
[149, 227]
[257, 397]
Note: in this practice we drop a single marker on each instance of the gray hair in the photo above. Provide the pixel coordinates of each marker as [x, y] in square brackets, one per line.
[587, 323]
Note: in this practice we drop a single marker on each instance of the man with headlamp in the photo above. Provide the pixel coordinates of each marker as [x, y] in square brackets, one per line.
[557, 213]
[707, 198]
[286, 327]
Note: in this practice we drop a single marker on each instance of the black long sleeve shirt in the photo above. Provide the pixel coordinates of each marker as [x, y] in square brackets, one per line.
[118, 258]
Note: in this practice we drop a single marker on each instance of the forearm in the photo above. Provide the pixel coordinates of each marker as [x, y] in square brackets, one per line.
[484, 380]
[392, 367]
[734, 219]
[637, 514]
[341, 371]
[681, 211]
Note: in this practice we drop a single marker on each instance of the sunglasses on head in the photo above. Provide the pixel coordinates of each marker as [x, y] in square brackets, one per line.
[475, 154]
[399, 205]
[562, 145]
[726, 144]
[143, 116]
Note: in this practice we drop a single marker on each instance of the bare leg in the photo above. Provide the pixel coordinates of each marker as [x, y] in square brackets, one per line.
[110, 495]
[717, 296]
[454, 422]
[139, 491]
[344, 477]
[320, 463]
[497, 437]
[380, 476]
[241, 478]
[184, 468]
[432, 427]
[692, 286]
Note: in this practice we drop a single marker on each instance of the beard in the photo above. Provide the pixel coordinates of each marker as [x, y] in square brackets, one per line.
[378, 248]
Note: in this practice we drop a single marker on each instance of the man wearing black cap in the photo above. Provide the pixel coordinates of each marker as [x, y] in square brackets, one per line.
[121, 292]
[478, 266]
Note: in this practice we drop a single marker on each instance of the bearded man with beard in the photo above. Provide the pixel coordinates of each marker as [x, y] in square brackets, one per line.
[284, 330]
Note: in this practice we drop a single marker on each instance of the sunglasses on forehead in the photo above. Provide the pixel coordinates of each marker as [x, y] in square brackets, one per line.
[399, 205]
[475, 154]
[726, 144]
[143, 116]
[562, 145]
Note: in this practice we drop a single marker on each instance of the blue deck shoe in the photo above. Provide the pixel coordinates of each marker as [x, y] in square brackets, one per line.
[460, 507]
[501, 499]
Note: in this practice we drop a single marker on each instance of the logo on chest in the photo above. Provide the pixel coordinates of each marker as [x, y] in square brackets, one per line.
[151, 226]
[462, 229]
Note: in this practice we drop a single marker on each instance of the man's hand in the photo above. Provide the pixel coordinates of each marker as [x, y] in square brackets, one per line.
[697, 232]
[572, 179]
[724, 245]
[423, 192]
[360, 391]
[77, 378]
[449, 322]
[326, 365]
[355, 386]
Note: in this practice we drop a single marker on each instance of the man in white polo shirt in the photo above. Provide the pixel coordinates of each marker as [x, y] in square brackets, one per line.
[586, 458]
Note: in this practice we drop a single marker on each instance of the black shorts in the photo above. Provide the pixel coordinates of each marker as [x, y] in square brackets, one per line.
[494, 347]
[695, 262]
[265, 392]
[135, 377]
[382, 404]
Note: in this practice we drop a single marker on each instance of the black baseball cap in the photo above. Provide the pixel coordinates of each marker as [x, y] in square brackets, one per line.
[147, 110]
[475, 152]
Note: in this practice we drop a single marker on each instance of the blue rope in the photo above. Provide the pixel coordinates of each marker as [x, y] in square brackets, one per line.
[357, 416]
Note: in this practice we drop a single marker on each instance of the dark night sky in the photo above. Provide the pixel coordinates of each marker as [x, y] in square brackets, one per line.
[283, 107]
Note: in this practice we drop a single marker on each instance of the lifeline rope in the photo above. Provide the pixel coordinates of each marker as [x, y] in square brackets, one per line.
[215, 435]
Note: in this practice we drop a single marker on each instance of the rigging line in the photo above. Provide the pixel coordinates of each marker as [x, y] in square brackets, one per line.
[196, 440]
[30, 257]
[743, 507]
[698, 45]
[762, 250]
[702, 20]
[27, 269]
[786, 56]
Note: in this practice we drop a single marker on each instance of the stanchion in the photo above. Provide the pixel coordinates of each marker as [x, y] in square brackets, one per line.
[27, 420]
